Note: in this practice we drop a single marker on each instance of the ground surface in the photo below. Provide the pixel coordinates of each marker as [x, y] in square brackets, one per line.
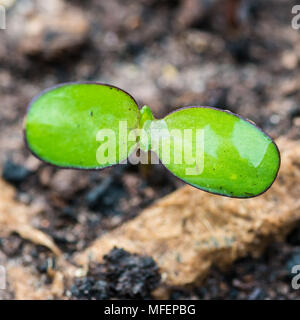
[166, 56]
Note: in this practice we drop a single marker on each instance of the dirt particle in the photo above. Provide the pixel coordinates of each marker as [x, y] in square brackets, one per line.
[122, 275]
[14, 173]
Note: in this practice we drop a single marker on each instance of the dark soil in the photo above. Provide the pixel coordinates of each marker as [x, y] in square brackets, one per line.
[166, 54]
[123, 275]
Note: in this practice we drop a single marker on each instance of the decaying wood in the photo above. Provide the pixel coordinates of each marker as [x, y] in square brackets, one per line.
[189, 230]
[27, 285]
[16, 217]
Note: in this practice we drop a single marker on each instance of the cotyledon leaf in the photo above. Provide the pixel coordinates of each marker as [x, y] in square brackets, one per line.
[214, 150]
[63, 124]
[217, 151]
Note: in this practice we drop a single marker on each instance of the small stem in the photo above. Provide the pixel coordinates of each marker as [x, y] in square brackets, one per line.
[146, 118]
[146, 115]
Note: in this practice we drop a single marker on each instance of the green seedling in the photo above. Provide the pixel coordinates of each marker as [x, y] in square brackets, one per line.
[93, 126]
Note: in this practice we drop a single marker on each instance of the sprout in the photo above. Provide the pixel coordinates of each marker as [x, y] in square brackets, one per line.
[92, 126]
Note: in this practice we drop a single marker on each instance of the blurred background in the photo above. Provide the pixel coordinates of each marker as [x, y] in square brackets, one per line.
[238, 55]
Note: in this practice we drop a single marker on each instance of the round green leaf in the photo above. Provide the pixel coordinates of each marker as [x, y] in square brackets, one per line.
[221, 152]
[63, 125]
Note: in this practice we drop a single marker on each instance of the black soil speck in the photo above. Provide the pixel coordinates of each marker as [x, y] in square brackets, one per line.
[14, 173]
[105, 197]
[122, 275]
